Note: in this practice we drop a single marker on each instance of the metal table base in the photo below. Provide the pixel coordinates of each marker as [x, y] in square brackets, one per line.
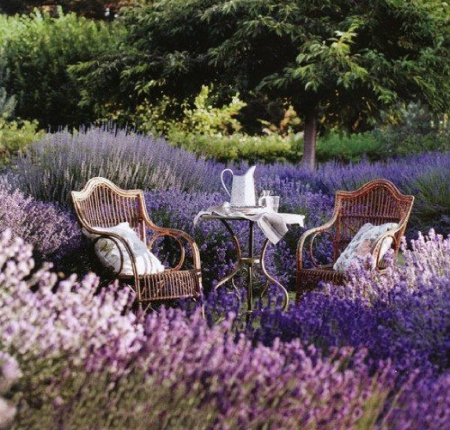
[249, 261]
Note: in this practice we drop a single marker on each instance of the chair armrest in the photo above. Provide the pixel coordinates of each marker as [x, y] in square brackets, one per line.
[182, 238]
[310, 236]
[117, 239]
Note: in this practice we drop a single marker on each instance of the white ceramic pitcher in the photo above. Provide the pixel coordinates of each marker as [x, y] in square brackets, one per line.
[242, 188]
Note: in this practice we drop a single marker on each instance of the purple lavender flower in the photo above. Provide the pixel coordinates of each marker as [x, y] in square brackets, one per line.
[52, 231]
[84, 356]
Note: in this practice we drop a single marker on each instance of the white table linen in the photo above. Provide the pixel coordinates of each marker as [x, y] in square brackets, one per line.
[272, 224]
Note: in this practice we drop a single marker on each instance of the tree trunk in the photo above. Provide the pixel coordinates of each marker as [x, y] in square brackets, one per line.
[309, 141]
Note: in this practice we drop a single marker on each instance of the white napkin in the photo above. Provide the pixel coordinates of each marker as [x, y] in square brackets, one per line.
[272, 224]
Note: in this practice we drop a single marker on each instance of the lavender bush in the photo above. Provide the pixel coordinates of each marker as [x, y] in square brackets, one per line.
[178, 209]
[373, 354]
[87, 362]
[82, 352]
[9, 373]
[402, 316]
[52, 231]
[63, 161]
[426, 176]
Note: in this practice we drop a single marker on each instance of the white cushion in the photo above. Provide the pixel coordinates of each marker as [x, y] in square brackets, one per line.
[108, 252]
[362, 242]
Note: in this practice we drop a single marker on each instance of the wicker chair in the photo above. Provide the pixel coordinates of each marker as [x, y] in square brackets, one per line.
[101, 204]
[376, 202]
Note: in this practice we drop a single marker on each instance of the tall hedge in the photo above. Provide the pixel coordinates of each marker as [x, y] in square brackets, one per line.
[35, 52]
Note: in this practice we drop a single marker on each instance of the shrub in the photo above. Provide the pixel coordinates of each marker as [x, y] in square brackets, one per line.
[88, 363]
[425, 176]
[61, 162]
[52, 232]
[402, 316]
[15, 136]
[206, 119]
[431, 187]
[238, 147]
[417, 131]
[37, 50]
[7, 104]
[346, 149]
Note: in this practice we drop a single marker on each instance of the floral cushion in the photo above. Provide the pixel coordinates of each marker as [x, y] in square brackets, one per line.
[361, 244]
[109, 255]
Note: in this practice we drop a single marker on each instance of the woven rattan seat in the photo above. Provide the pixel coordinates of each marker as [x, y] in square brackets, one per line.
[376, 202]
[102, 204]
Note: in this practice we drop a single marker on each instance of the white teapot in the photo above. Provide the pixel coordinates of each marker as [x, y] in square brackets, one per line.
[242, 188]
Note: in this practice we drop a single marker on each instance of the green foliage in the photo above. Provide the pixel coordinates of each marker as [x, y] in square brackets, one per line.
[203, 118]
[349, 148]
[274, 147]
[395, 142]
[7, 104]
[416, 130]
[339, 63]
[88, 8]
[238, 147]
[152, 118]
[36, 52]
[15, 137]
[206, 119]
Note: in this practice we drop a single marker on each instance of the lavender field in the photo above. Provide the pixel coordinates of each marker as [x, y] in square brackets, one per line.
[373, 354]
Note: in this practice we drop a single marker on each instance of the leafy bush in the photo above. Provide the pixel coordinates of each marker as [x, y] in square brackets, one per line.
[417, 131]
[238, 147]
[7, 104]
[214, 132]
[346, 149]
[204, 118]
[15, 136]
[394, 143]
[37, 50]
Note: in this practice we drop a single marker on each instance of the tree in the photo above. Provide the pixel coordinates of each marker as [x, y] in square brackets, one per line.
[88, 8]
[341, 63]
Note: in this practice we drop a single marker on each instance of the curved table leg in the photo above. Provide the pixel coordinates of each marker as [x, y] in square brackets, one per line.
[271, 278]
[250, 261]
[239, 262]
